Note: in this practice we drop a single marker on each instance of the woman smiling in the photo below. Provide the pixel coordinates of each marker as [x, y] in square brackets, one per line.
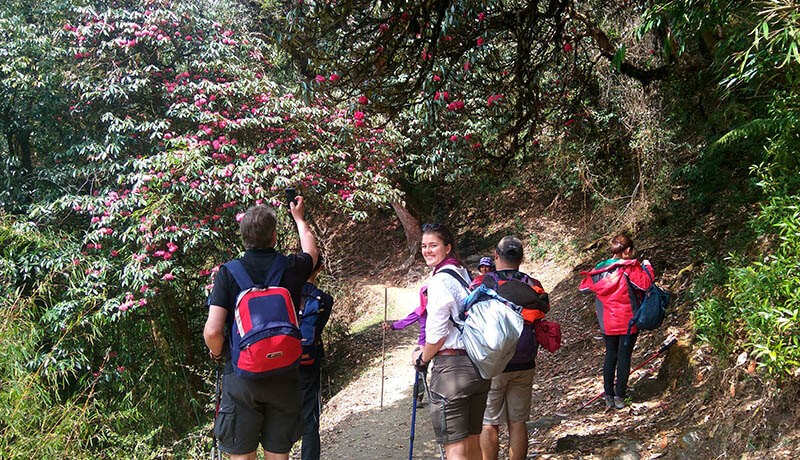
[458, 393]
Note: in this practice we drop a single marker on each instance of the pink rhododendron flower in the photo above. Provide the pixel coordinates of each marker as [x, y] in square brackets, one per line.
[319, 79]
[358, 115]
[493, 99]
[567, 47]
[455, 105]
[168, 277]
[453, 138]
[334, 77]
[481, 16]
[437, 78]
[363, 100]
[479, 41]
[467, 66]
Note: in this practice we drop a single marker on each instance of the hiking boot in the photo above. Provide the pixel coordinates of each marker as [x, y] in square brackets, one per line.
[420, 400]
[609, 402]
[619, 402]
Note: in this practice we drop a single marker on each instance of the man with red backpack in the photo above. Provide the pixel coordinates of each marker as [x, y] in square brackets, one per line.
[255, 298]
[509, 399]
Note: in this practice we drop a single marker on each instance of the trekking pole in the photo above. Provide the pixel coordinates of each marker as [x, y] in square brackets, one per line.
[383, 340]
[216, 454]
[664, 347]
[430, 401]
[413, 414]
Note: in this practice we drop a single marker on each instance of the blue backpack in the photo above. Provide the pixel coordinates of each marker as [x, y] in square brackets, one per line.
[264, 338]
[649, 312]
[313, 318]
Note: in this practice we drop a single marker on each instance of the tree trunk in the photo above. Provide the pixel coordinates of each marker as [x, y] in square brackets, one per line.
[411, 227]
[25, 156]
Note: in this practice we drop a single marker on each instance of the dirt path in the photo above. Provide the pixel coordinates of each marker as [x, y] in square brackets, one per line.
[354, 426]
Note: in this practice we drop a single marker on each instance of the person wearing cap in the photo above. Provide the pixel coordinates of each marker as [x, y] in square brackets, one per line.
[509, 399]
[485, 265]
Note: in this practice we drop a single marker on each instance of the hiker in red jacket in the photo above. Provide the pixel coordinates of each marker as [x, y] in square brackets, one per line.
[609, 282]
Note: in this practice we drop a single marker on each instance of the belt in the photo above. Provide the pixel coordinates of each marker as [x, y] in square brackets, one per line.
[451, 352]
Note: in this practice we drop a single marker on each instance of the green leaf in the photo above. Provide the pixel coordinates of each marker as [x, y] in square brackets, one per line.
[619, 58]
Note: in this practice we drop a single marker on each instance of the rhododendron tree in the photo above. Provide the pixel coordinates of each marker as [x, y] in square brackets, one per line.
[509, 74]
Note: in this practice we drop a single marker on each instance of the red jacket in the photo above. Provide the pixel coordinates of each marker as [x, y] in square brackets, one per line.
[613, 299]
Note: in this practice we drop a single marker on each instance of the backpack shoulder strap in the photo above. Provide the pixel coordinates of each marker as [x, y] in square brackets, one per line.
[455, 275]
[275, 272]
[239, 274]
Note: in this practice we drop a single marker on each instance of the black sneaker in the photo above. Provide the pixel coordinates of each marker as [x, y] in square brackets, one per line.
[609, 402]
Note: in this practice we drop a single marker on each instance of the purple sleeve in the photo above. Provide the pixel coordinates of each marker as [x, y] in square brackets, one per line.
[405, 322]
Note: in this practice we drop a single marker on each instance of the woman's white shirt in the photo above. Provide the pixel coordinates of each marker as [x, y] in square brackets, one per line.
[445, 295]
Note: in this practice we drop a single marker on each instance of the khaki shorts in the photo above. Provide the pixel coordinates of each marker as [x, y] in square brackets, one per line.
[509, 398]
[458, 398]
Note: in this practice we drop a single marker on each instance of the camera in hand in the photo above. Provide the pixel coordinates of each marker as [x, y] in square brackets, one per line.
[291, 195]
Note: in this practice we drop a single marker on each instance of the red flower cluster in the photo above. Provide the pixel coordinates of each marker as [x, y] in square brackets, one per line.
[493, 99]
[359, 118]
[455, 105]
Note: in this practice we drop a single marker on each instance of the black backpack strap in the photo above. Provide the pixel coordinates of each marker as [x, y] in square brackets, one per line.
[461, 312]
[455, 275]
[239, 273]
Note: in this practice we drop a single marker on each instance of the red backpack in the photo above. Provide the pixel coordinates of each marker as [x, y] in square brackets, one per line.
[265, 338]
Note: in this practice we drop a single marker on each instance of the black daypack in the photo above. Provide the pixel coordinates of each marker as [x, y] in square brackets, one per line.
[316, 311]
[649, 313]
[517, 287]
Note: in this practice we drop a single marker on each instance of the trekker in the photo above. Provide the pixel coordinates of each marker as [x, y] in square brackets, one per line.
[509, 400]
[419, 314]
[312, 360]
[485, 265]
[458, 393]
[265, 411]
[609, 281]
